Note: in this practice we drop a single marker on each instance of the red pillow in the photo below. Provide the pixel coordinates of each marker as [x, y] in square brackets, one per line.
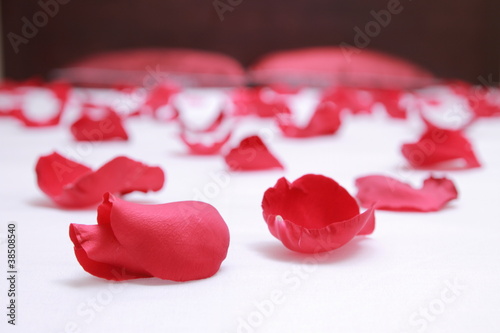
[143, 67]
[324, 66]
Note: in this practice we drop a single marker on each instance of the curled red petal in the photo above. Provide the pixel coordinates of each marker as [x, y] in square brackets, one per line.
[205, 148]
[107, 126]
[387, 193]
[325, 120]
[178, 241]
[251, 154]
[314, 214]
[70, 184]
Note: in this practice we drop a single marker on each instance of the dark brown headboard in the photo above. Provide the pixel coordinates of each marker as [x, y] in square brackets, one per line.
[452, 38]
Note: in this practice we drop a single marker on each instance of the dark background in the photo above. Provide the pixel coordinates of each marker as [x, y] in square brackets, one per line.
[452, 38]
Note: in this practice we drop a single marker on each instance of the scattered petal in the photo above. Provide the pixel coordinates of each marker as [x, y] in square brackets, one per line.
[159, 97]
[355, 99]
[251, 154]
[71, 184]
[178, 241]
[260, 102]
[325, 121]
[381, 192]
[208, 145]
[314, 214]
[102, 124]
[30, 96]
[441, 148]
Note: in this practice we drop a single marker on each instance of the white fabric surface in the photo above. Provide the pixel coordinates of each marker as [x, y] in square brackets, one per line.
[381, 283]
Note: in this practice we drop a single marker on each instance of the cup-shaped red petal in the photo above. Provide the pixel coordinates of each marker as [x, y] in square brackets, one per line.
[314, 214]
[178, 241]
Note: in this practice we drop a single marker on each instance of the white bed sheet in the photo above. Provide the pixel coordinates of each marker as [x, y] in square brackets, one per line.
[418, 272]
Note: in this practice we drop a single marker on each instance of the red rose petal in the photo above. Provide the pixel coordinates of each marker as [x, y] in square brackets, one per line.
[71, 184]
[250, 102]
[100, 125]
[60, 92]
[441, 148]
[203, 148]
[209, 140]
[157, 98]
[387, 193]
[325, 121]
[177, 241]
[251, 154]
[390, 99]
[484, 101]
[355, 99]
[314, 214]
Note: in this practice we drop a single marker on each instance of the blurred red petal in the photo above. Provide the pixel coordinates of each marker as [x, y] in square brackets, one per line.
[325, 121]
[381, 192]
[204, 148]
[355, 99]
[157, 98]
[250, 102]
[251, 154]
[60, 92]
[441, 148]
[177, 241]
[484, 101]
[71, 184]
[390, 99]
[102, 125]
[314, 214]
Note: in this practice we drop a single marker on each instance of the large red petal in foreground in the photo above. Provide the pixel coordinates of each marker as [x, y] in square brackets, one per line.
[381, 192]
[441, 148]
[251, 154]
[325, 120]
[71, 184]
[314, 214]
[178, 241]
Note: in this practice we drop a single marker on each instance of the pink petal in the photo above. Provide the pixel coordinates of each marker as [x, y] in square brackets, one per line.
[441, 148]
[387, 193]
[325, 121]
[178, 241]
[251, 154]
[106, 126]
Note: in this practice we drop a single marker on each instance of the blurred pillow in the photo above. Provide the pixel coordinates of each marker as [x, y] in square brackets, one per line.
[141, 67]
[325, 66]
